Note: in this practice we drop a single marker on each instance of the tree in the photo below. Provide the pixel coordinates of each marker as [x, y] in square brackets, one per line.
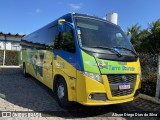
[143, 40]
[154, 26]
[134, 31]
[146, 40]
[154, 38]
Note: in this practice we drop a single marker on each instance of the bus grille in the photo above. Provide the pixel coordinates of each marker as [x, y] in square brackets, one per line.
[115, 80]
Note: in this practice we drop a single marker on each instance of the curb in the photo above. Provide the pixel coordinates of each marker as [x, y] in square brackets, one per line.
[149, 98]
[9, 66]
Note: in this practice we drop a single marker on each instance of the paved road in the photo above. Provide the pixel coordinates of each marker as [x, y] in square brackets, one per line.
[27, 94]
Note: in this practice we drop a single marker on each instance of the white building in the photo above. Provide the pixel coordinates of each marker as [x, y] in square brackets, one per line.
[10, 41]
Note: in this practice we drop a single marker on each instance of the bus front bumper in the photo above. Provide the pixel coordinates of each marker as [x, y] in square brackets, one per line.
[107, 102]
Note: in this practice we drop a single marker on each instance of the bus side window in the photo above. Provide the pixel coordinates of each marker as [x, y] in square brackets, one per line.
[66, 40]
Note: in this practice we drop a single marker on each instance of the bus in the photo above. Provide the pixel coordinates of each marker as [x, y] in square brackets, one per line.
[83, 59]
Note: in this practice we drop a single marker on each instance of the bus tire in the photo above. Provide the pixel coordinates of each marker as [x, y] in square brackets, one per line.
[62, 93]
[25, 74]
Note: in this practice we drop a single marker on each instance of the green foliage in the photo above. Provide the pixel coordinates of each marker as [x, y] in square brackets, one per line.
[1, 57]
[148, 85]
[146, 40]
[12, 57]
[149, 73]
[134, 31]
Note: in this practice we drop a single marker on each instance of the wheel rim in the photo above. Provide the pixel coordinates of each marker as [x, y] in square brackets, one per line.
[60, 91]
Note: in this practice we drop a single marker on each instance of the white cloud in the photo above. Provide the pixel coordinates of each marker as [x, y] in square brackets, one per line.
[38, 10]
[34, 12]
[104, 18]
[75, 6]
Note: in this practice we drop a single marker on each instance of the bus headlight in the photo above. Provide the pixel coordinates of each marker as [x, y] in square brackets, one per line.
[94, 76]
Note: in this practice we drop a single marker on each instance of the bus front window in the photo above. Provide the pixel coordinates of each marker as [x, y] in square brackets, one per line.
[100, 34]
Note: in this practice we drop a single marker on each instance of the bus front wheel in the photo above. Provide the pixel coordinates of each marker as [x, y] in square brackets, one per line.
[62, 93]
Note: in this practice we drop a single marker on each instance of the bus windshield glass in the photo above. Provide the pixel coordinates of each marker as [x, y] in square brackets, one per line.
[99, 34]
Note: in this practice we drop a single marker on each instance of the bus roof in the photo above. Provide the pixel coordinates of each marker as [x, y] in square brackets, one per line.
[32, 37]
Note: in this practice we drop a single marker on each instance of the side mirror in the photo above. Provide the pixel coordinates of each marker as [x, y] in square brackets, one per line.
[61, 25]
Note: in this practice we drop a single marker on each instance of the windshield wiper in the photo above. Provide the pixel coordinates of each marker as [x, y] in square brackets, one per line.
[127, 49]
[110, 49]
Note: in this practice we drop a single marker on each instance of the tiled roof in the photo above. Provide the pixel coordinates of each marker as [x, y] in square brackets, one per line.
[20, 35]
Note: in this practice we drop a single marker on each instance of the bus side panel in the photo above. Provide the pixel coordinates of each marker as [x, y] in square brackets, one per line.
[32, 61]
[65, 69]
[24, 59]
[47, 59]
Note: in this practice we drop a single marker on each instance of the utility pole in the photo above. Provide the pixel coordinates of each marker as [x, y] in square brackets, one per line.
[158, 80]
[4, 55]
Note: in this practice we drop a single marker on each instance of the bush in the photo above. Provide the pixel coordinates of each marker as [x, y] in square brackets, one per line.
[149, 66]
[12, 57]
[148, 85]
[1, 57]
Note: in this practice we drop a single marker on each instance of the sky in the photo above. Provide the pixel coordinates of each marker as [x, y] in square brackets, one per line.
[26, 16]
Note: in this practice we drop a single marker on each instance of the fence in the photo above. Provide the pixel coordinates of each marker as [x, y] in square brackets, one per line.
[149, 68]
[158, 80]
[11, 57]
[1, 57]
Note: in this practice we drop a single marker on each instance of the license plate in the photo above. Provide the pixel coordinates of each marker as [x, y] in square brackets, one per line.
[124, 86]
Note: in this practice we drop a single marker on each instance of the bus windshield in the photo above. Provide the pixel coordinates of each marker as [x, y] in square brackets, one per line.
[99, 34]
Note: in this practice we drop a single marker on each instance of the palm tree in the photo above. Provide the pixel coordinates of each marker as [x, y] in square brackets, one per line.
[134, 32]
[141, 42]
[154, 41]
[154, 26]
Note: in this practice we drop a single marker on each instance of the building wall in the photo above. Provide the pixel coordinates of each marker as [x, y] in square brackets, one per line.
[1, 45]
[12, 42]
[2, 37]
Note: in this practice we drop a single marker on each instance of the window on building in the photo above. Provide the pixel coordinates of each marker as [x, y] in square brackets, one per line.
[15, 46]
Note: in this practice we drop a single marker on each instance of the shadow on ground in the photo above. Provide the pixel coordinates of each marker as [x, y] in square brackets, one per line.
[30, 94]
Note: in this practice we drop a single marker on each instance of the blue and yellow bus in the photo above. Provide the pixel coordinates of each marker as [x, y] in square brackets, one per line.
[84, 59]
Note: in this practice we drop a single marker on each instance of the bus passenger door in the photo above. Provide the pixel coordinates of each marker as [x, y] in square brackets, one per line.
[65, 58]
[48, 69]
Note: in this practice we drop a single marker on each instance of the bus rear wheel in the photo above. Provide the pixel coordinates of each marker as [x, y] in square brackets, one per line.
[25, 74]
[62, 93]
